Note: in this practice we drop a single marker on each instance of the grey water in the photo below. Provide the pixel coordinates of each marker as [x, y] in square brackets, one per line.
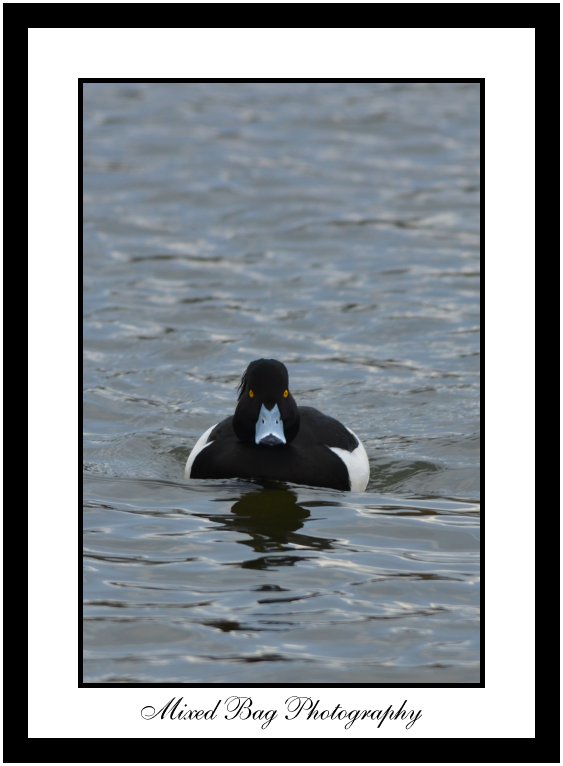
[334, 227]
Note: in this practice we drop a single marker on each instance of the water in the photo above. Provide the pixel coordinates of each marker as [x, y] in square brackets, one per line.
[334, 227]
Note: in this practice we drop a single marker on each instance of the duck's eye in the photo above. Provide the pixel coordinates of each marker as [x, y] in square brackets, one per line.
[251, 393]
[285, 394]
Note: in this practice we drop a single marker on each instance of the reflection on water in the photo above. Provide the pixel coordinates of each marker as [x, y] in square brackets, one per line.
[271, 518]
[364, 587]
[332, 226]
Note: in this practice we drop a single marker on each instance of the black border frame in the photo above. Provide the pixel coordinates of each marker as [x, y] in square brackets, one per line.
[544, 746]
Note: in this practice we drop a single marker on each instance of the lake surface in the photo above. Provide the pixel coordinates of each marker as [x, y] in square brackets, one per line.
[334, 227]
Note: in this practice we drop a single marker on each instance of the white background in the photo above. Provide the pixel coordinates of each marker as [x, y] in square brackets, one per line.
[505, 57]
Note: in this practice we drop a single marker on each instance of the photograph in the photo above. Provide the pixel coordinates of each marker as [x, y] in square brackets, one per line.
[281, 382]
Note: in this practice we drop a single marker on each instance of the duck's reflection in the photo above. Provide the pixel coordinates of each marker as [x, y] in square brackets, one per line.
[270, 517]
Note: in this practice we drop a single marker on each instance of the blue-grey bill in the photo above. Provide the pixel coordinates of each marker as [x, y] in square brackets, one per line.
[269, 427]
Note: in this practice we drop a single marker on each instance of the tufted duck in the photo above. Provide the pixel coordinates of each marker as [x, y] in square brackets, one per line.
[270, 437]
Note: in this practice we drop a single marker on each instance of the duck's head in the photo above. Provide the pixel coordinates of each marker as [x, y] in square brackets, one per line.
[266, 412]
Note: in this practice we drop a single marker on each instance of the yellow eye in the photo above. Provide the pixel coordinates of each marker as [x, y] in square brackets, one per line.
[285, 394]
[251, 393]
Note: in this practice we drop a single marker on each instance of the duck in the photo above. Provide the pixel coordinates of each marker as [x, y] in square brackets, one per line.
[270, 437]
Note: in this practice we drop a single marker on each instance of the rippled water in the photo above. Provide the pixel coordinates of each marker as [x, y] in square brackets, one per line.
[334, 227]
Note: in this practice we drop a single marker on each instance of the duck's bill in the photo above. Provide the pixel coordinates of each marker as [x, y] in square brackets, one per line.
[269, 427]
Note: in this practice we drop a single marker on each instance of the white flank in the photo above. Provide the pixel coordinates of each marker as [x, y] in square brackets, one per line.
[357, 464]
[200, 445]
